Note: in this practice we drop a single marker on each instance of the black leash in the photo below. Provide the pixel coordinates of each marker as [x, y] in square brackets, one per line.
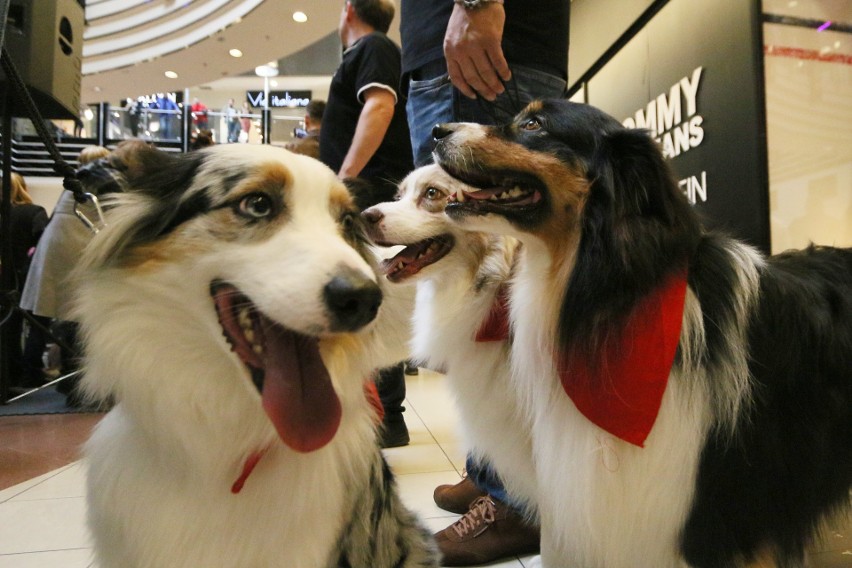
[60, 166]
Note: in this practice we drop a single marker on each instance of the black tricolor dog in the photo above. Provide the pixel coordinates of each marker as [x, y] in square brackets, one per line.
[690, 400]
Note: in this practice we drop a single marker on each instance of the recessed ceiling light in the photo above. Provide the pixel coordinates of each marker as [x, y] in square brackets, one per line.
[236, 53]
[273, 83]
[171, 74]
[300, 17]
[96, 89]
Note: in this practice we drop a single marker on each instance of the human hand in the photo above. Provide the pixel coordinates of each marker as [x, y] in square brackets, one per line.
[475, 60]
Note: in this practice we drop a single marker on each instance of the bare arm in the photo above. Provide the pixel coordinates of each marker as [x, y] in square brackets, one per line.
[372, 126]
[475, 60]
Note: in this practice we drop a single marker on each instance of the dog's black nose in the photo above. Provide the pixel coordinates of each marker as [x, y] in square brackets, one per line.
[372, 215]
[352, 300]
[441, 131]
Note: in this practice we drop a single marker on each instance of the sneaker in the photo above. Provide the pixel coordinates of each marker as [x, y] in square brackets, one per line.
[457, 498]
[489, 531]
[393, 432]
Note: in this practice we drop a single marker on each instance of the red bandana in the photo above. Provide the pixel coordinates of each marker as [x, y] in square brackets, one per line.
[623, 395]
[496, 325]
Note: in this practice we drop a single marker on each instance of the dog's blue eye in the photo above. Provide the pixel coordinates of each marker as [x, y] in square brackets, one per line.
[256, 205]
[531, 124]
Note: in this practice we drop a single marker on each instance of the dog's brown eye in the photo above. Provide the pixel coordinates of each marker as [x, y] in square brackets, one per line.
[531, 124]
[256, 205]
[432, 193]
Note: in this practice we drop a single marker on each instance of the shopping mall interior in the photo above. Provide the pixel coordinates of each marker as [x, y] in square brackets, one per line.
[773, 166]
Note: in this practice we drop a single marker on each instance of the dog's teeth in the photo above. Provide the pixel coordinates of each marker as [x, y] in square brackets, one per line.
[257, 348]
[249, 333]
[460, 195]
[493, 197]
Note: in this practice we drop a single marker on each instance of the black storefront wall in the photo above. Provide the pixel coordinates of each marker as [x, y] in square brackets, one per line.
[693, 75]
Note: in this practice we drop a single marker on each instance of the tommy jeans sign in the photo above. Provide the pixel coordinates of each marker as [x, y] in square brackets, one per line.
[692, 77]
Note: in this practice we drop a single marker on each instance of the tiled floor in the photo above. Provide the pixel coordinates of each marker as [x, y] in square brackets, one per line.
[41, 486]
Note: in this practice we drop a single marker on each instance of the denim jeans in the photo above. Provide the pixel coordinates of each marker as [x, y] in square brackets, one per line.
[432, 100]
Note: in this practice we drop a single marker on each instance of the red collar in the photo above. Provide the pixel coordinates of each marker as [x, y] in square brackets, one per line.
[623, 393]
[248, 467]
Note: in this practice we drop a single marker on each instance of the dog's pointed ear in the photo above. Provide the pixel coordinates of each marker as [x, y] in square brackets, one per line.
[642, 182]
[156, 185]
[638, 227]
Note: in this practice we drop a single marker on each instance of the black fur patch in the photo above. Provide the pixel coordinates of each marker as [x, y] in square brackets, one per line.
[790, 462]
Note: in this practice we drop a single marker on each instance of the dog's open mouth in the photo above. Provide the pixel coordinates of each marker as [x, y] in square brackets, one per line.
[286, 368]
[495, 192]
[414, 258]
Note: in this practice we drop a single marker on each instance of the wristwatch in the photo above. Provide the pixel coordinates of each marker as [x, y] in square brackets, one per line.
[476, 4]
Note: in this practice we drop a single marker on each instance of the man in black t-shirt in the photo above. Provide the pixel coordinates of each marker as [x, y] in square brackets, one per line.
[365, 134]
[365, 131]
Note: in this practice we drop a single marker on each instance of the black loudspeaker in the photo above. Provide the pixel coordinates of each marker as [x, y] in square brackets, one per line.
[44, 39]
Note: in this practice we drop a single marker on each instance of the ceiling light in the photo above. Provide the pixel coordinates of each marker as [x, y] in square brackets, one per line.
[265, 71]
[300, 17]
[236, 53]
[273, 83]
[171, 74]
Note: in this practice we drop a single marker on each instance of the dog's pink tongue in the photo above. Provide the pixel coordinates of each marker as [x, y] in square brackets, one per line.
[297, 394]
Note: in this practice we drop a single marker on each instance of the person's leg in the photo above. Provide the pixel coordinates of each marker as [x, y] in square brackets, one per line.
[391, 386]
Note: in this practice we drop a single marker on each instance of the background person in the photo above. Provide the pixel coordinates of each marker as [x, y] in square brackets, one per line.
[245, 122]
[480, 62]
[27, 223]
[232, 120]
[365, 134]
[309, 143]
[48, 292]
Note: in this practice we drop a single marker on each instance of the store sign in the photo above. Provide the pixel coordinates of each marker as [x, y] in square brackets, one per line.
[691, 77]
[279, 99]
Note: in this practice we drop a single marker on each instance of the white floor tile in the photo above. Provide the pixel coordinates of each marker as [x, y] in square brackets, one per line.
[416, 490]
[67, 482]
[50, 524]
[78, 558]
[418, 458]
[15, 490]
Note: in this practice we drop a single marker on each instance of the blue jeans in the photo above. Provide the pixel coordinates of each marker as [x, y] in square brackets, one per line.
[432, 100]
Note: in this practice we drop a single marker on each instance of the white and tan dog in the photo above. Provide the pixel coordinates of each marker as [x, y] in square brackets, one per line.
[232, 310]
[460, 278]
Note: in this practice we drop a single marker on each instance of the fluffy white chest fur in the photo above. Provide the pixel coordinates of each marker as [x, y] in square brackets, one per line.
[163, 462]
[447, 316]
[589, 478]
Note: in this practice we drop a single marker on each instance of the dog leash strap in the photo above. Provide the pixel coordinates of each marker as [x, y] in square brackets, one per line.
[94, 225]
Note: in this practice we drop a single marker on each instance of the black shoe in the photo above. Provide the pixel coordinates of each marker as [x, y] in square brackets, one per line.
[393, 432]
[411, 369]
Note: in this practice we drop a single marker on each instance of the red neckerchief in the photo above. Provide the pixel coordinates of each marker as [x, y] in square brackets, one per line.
[248, 467]
[496, 324]
[623, 394]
